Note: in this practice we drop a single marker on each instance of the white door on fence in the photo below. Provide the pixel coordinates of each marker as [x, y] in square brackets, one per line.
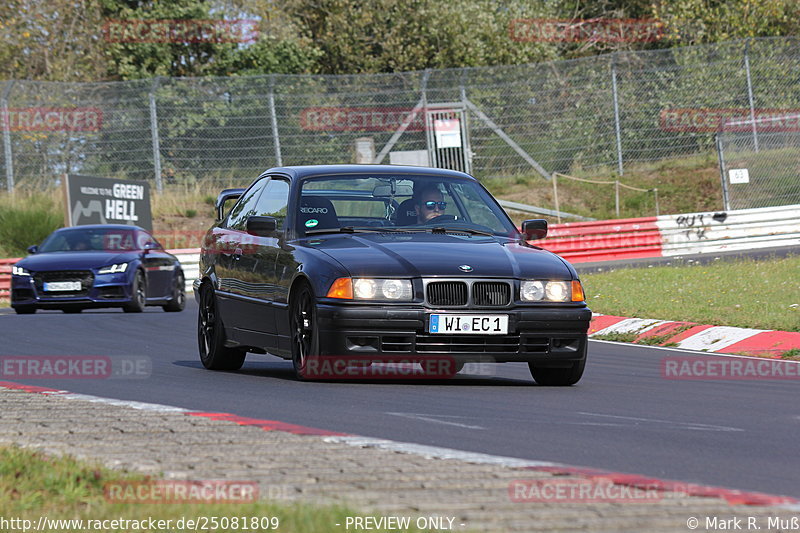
[448, 143]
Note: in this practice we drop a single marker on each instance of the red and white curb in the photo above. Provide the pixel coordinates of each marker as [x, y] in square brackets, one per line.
[731, 496]
[699, 337]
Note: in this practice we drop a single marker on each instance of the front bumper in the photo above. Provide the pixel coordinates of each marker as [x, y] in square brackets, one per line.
[107, 290]
[547, 336]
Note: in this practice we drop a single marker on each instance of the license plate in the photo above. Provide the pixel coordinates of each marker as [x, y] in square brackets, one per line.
[54, 286]
[469, 324]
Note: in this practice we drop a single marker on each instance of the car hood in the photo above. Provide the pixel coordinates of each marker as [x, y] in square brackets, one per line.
[421, 255]
[74, 260]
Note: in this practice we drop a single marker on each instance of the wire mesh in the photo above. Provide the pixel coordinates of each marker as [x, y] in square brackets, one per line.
[522, 119]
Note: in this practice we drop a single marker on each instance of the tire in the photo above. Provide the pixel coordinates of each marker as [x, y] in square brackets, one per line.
[138, 294]
[211, 336]
[558, 377]
[178, 301]
[25, 310]
[304, 330]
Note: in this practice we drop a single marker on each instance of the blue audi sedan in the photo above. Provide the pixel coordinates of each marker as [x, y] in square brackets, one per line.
[97, 266]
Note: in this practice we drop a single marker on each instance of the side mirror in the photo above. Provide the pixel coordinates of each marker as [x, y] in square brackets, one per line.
[150, 245]
[224, 196]
[262, 226]
[33, 249]
[534, 229]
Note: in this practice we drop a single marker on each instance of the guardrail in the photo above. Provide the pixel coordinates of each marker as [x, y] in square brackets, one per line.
[672, 235]
[608, 240]
[5, 276]
[604, 240]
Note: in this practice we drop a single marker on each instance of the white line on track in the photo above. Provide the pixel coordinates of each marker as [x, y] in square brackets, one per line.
[430, 418]
[685, 425]
[435, 452]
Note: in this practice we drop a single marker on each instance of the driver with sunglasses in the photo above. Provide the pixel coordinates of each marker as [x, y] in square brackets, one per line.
[430, 204]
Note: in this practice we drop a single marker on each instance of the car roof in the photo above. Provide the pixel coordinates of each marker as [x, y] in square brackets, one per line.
[298, 172]
[103, 226]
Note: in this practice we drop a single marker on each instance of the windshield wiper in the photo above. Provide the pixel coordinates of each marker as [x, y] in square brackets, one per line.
[471, 231]
[412, 229]
[353, 229]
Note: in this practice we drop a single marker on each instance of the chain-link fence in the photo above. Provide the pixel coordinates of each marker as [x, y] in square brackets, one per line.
[761, 168]
[593, 115]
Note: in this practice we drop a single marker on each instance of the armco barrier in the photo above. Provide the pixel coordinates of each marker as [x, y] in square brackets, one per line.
[720, 231]
[604, 240]
[5, 276]
[672, 235]
[189, 258]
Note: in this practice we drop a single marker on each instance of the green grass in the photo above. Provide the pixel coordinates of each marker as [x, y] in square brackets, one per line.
[26, 218]
[34, 485]
[761, 294]
[685, 185]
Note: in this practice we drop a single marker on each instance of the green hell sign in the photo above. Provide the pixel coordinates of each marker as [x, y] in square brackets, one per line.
[94, 200]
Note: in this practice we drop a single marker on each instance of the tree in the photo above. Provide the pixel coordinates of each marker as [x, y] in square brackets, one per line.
[55, 40]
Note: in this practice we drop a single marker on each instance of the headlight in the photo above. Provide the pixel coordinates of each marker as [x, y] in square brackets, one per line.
[114, 269]
[551, 291]
[19, 271]
[532, 291]
[557, 291]
[372, 289]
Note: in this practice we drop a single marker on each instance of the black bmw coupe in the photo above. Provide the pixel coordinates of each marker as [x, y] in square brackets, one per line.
[364, 263]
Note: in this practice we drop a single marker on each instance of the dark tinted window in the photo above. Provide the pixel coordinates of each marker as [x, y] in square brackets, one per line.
[246, 206]
[274, 200]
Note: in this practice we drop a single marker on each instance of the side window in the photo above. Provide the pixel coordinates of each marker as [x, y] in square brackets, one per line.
[246, 206]
[142, 237]
[274, 201]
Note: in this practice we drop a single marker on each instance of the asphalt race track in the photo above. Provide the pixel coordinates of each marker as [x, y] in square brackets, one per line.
[622, 416]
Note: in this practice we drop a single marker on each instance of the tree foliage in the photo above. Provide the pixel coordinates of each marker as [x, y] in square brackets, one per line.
[65, 40]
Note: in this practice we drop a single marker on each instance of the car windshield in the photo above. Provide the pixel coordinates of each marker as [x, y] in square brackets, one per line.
[401, 203]
[94, 239]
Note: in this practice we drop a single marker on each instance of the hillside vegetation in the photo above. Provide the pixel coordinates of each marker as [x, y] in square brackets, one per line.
[182, 213]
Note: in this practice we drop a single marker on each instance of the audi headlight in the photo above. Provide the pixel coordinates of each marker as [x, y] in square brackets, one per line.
[551, 291]
[114, 269]
[19, 271]
[372, 289]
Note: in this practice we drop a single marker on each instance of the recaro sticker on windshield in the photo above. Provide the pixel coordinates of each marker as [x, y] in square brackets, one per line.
[310, 223]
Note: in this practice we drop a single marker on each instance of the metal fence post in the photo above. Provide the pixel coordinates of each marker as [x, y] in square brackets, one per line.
[429, 134]
[154, 133]
[721, 156]
[616, 112]
[750, 92]
[275, 138]
[7, 138]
